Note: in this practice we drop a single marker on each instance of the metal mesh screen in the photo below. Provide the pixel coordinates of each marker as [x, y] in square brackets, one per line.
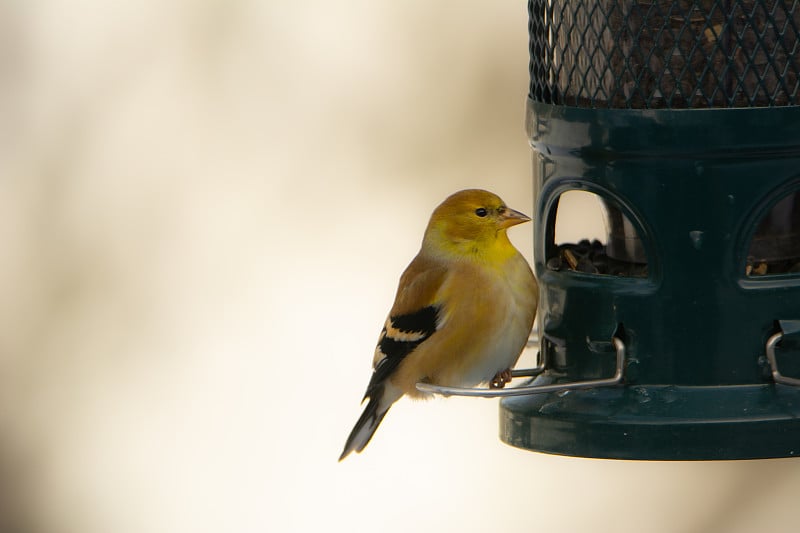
[665, 54]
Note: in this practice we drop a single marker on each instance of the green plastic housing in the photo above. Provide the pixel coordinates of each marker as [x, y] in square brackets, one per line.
[695, 184]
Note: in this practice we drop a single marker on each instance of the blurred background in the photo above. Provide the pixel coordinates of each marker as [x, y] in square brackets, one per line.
[205, 209]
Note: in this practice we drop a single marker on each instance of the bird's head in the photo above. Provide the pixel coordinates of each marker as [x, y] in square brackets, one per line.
[470, 221]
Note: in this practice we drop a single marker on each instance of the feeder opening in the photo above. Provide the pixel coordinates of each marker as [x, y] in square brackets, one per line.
[592, 235]
[775, 248]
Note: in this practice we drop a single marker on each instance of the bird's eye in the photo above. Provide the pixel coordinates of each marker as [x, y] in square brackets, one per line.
[481, 212]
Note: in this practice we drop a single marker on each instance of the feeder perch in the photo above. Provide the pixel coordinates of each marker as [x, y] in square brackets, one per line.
[675, 337]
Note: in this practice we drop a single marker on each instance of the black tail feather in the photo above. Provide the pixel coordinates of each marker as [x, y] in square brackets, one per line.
[365, 428]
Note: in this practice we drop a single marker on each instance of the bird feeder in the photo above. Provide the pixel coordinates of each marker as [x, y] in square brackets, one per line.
[677, 334]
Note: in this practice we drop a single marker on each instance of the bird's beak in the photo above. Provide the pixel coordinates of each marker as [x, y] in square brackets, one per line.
[512, 218]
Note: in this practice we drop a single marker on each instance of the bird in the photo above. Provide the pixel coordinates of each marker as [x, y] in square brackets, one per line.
[463, 310]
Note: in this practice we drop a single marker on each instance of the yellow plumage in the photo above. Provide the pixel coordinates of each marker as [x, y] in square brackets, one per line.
[463, 311]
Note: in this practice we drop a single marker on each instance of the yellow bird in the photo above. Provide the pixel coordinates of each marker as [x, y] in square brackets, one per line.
[463, 310]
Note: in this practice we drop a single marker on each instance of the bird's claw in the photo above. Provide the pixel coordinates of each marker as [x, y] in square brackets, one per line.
[500, 379]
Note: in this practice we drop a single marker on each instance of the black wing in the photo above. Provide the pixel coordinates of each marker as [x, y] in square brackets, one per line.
[400, 336]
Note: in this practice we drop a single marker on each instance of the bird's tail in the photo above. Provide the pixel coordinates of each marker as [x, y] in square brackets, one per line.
[367, 423]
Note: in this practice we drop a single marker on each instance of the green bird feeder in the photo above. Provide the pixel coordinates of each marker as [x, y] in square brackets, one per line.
[677, 336]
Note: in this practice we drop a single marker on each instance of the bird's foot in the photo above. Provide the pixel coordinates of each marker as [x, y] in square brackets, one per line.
[500, 379]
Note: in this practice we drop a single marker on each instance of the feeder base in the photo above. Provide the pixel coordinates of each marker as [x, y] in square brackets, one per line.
[658, 422]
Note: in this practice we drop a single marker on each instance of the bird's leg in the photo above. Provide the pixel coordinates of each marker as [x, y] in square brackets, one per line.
[500, 379]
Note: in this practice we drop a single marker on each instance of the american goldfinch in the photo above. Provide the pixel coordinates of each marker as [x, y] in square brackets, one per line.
[463, 310]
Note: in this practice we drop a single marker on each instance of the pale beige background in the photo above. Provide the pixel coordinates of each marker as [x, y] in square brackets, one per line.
[204, 209]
